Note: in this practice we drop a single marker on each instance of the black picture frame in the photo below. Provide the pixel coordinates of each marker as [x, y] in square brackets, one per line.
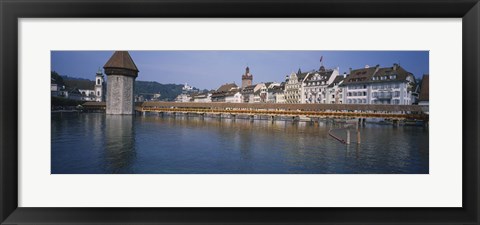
[12, 10]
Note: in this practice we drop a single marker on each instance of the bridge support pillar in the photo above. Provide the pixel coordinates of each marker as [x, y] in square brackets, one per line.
[348, 136]
[395, 123]
[358, 137]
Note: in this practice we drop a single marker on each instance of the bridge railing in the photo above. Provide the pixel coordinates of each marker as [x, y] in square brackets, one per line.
[281, 106]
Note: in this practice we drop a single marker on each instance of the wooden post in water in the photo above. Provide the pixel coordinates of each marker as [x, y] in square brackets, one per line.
[348, 136]
[358, 136]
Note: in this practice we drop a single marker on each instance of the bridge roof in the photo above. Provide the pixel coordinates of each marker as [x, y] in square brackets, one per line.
[306, 107]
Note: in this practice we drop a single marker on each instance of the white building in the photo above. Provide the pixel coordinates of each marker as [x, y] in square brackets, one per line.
[233, 97]
[375, 85]
[183, 98]
[203, 97]
[314, 88]
[272, 91]
[334, 91]
[251, 93]
[226, 92]
[88, 95]
[260, 94]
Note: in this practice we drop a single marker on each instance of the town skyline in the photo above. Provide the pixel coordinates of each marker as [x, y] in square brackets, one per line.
[210, 69]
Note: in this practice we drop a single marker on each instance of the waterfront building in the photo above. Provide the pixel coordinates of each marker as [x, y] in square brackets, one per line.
[80, 89]
[121, 73]
[294, 86]
[247, 93]
[233, 96]
[74, 94]
[56, 89]
[334, 91]
[260, 94]
[203, 97]
[88, 95]
[184, 97]
[225, 92]
[280, 93]
[315, 84]
[423, 98]
[375, 85]
[272, 91]
[247, 78]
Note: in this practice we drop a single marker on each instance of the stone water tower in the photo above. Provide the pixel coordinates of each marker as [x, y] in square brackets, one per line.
[121, 73]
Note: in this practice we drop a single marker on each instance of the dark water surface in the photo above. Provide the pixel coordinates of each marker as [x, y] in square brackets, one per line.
[103, 144]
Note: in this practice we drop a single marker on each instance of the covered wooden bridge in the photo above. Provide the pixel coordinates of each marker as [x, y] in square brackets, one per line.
[417, 112]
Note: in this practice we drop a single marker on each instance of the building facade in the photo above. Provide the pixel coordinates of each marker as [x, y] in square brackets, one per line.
[294, 87]
[375, 85]
[315, 85]
[334, 91]
[225, 92]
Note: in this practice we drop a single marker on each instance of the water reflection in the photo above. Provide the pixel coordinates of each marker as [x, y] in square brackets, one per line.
[98, 143]
[119, 143]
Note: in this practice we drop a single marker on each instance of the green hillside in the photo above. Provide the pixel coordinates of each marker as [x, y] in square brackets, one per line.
[168, 92]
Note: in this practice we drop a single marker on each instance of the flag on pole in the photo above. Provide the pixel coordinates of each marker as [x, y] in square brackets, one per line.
[321, 58]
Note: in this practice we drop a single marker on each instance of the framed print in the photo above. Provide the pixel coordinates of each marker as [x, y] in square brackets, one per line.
[319, 112]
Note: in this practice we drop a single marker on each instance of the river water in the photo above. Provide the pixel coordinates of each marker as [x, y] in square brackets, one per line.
[95, 143]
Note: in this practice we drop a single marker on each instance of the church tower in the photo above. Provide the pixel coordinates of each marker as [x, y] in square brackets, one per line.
[99, 86]
[121, 73]
[247, 78]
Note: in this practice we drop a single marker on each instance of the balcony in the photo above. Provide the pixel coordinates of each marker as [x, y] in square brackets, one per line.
[384, 95]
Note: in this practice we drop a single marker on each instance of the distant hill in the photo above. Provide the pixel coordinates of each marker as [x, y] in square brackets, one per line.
[79, 84]
[65, 77]
[168, 92]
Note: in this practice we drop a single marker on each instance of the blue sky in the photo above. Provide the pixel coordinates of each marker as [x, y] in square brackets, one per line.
[210, 69]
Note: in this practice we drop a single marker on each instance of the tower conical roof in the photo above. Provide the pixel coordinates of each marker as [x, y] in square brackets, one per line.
[121, 60]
